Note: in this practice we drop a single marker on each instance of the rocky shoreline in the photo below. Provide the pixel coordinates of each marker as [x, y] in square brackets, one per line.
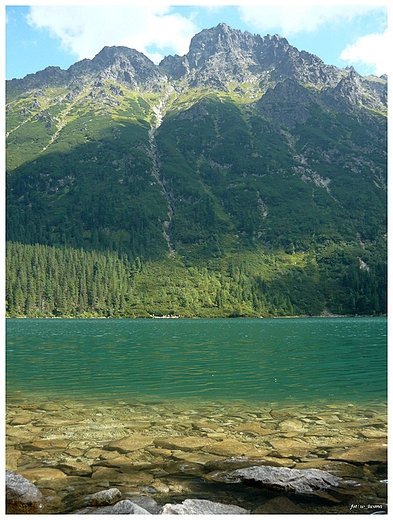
[182, 458]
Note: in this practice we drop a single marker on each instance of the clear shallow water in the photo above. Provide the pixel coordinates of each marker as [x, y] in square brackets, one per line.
[256, 360]
[296, 392]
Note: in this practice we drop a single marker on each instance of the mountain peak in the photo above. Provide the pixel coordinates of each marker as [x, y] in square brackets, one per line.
[224, 27]
[216, 39]
[120, 64]
[221, 55]
[217, 58]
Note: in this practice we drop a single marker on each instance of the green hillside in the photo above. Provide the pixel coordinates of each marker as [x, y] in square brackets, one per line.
[193, 201]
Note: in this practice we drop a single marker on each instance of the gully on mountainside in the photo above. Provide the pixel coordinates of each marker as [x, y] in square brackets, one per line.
[159, 112]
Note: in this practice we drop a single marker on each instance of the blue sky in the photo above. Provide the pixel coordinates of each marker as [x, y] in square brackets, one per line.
[38, 36]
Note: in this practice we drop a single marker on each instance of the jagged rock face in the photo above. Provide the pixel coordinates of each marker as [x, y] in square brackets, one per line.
[48, 76]
[353, 90]
[222, 55]
[122, 65]
[286, 104]
[217, 58]
[118, 64]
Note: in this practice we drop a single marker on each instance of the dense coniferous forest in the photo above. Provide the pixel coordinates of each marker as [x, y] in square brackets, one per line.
[243, 179]
[45, 281]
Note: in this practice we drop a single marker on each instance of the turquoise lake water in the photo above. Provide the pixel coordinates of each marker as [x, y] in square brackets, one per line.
[255, 360]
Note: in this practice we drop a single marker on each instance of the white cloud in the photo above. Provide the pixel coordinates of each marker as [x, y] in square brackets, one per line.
[372, 50]
[293, 19]
[85, 30]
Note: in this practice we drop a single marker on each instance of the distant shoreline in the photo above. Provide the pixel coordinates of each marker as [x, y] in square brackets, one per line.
[169, 317]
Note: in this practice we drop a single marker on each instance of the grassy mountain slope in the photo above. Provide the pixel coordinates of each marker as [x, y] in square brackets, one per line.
[90, 182]
[226, 201]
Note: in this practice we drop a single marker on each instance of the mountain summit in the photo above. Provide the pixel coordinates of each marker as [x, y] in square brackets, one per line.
[222, 55]
[217, 58]
[245, 157]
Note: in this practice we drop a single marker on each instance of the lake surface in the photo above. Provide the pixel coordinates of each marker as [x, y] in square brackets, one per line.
[258, 360]
[157, 407]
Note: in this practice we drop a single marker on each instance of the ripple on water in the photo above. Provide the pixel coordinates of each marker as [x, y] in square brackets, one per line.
[265, 360]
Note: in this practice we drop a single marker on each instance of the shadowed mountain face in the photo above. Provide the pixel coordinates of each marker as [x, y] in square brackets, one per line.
[245, 145]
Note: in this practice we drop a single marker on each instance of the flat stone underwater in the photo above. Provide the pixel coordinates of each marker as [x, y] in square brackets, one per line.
[171, 450]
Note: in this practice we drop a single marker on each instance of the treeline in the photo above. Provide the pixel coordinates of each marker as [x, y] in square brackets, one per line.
[47, 281]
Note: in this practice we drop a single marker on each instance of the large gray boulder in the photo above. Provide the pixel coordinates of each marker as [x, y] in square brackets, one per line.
[283, 479]
[22, 497]
[124, 507]
[193, 506]
[147, 503]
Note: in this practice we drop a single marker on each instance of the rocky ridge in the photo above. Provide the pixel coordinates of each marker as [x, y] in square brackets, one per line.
[217, 58]
[119, 64]
[222, 55]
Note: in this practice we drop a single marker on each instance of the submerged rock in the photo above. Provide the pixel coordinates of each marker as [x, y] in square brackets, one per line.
[374, 433]
[291, 424]
[278, 506]
[232, 463]
[22, 497]
[21, 419]
[75, 468]
[45, 444]
[290, 447]
[192, 457]
[104, 498]
[367, 452]
[202, 507]
[119, 478]
[339, 468]
[233, 447]
[253, 428]
[35, 474]
[283, 479]
[12, 457]
[132, 443]
[182, 443]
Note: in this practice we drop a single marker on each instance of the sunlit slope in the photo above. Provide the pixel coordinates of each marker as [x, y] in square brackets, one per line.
[244, 157]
